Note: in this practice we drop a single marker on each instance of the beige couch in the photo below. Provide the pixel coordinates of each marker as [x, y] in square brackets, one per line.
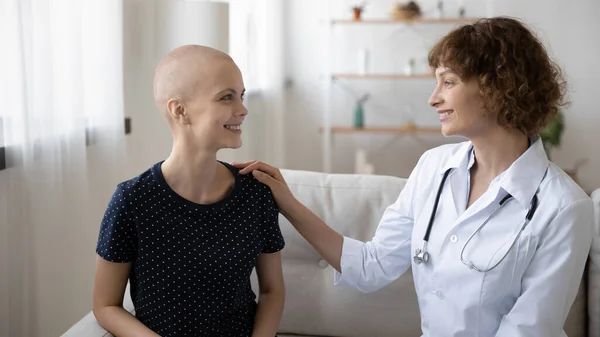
[353, 204]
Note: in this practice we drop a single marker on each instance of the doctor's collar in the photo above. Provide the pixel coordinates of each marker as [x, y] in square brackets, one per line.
[521, 179]
[456, 160]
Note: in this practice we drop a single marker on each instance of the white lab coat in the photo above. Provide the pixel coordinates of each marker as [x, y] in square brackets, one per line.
[528, 294]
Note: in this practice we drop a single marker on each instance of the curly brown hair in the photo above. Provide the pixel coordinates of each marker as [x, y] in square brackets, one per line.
[517, 79]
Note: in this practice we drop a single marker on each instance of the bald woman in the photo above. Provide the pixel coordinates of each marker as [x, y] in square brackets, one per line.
[188, 231]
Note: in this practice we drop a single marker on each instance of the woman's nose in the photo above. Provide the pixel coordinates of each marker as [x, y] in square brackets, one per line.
[241, 111]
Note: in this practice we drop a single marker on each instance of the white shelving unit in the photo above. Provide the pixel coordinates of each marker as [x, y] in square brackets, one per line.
[329, 130]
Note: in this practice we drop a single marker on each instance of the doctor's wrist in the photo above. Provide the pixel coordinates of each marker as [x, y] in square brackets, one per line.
[292, 210]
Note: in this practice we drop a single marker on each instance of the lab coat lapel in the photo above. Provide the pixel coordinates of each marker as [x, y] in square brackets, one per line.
[479, 205]
[456, 185]
[454, 196]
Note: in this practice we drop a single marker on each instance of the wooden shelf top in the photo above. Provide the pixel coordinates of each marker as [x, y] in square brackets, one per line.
[405, 129]
[404, 21]
[381, 76]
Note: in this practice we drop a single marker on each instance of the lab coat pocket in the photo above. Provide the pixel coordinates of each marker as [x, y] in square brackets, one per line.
[504, 267]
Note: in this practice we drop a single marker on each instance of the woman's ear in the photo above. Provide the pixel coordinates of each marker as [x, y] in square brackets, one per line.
[177, 111]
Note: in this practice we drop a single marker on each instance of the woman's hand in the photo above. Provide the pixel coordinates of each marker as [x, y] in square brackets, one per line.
[271, 177]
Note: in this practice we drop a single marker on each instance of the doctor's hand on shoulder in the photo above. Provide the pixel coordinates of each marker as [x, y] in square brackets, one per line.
[326, 241]
[272, 177]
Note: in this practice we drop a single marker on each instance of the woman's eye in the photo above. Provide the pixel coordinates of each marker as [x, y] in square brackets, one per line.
[227, 97]
[447, 83]
[243, 98]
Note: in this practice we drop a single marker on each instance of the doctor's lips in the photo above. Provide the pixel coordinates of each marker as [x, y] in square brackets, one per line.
[444, 114]
[234, 127]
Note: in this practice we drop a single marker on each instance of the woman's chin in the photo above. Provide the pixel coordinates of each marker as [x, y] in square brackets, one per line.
[233, 145]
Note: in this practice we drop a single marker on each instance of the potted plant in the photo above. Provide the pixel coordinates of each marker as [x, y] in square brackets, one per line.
[552, 134]
[551, 137]
[358, 9]
[405, 11]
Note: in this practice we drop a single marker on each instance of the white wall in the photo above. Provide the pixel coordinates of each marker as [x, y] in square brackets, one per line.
[569, 30]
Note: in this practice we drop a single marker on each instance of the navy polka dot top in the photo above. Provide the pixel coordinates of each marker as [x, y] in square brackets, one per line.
[191, 263]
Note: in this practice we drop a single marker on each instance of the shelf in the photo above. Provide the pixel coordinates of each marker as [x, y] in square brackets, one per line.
[381, 76]
[406, 21]
[406, 129]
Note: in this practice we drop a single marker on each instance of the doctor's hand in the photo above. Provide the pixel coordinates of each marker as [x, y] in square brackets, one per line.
[271, 177]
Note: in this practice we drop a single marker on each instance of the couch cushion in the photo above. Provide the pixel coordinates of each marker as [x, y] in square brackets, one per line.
[352, 205]
[576, 322]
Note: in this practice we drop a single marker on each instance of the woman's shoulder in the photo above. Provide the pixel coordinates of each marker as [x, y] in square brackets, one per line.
[137, 185]
[561, 188]
[248, 185]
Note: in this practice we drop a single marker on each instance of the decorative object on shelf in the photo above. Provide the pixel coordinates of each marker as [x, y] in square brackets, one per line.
[357, 10]
[439, 12]
[461, 8]
[551, 135]
[363, 59]
[409, 70]
[359, 115]
[408, 11]
[361, 166]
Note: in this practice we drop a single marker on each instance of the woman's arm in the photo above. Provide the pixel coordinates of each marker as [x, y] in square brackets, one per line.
[271, 295]
[109, 288]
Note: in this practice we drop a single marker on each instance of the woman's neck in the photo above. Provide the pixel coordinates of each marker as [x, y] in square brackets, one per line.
[196, 175]
[497, 150]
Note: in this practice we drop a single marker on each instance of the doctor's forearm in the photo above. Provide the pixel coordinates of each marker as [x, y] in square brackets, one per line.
[323, 238]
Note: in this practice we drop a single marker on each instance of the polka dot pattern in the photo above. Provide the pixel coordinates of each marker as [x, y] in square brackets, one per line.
[191, 263]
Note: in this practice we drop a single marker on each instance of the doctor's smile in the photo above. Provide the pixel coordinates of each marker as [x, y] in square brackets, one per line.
[496, 235]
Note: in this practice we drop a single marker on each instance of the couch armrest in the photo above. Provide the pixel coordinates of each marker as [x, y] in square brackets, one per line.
[594, 272]
[88, 326]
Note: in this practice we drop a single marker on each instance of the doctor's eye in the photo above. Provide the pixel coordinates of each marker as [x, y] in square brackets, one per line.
[448, 83]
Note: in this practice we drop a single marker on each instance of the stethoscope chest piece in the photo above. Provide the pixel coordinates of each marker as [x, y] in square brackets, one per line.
[421, 256]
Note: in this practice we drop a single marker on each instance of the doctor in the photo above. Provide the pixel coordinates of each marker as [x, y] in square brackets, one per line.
[497, 235]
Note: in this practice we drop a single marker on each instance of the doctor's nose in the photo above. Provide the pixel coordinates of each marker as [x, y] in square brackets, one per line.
[435, 99]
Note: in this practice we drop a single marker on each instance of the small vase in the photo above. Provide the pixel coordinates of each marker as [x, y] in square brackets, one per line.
[357, 12]
[359, 121]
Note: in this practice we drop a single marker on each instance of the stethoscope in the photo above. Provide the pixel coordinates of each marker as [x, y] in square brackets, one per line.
[421, 254]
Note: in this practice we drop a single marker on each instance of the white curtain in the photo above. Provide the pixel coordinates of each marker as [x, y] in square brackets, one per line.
[62, 126]
[257, 30]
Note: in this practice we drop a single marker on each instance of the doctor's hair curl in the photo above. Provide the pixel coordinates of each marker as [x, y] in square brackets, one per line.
[517, 79]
